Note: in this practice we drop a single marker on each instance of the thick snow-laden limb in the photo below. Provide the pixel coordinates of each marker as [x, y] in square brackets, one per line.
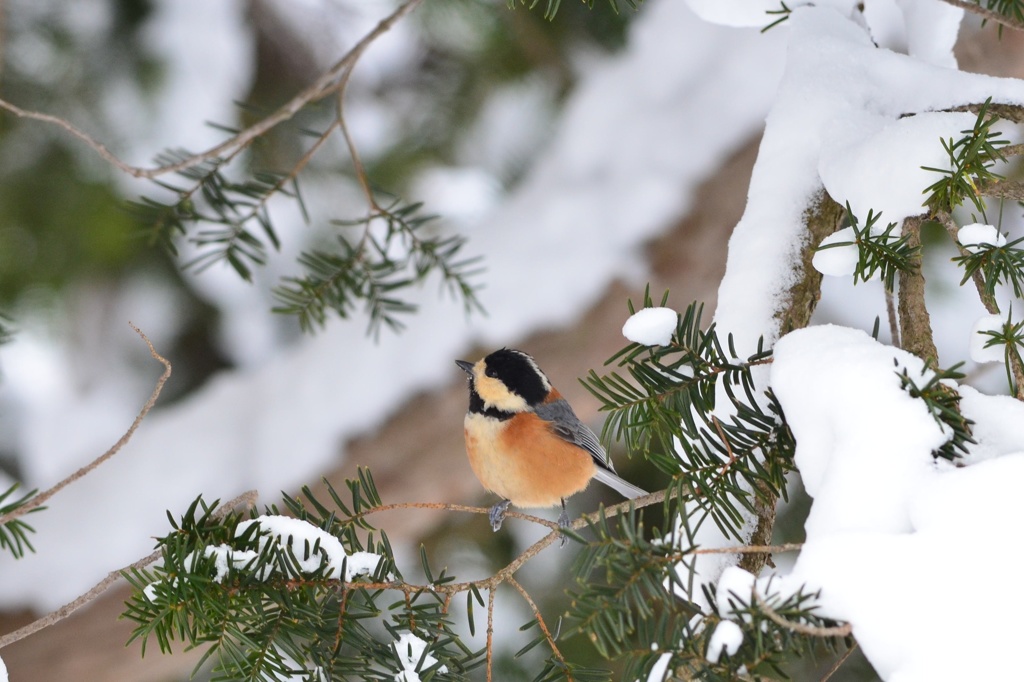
[840, 94]
[924, 29]
[897, 541]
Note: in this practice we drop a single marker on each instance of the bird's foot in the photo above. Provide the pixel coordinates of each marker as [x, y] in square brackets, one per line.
[497, 514]
[563, 522]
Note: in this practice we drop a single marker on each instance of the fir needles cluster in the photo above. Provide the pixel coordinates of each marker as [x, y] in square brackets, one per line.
[392, 250]
[14, 532]
[881, 252]
[971, 159]
[370, 264]
[274, 617]
[943, 403]
[664, 407]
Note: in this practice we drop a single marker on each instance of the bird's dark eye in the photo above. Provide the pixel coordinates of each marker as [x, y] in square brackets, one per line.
[491, 372]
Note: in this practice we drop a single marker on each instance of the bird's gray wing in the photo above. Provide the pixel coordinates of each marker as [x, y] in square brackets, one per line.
[568, 426]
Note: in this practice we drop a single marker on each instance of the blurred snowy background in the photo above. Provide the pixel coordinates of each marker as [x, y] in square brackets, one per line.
[560, 149]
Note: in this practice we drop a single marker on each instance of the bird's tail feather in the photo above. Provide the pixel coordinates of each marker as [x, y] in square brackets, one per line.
[624, 488]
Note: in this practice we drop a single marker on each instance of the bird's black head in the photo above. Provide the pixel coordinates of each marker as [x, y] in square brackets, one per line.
[519, 373]
[508, 380]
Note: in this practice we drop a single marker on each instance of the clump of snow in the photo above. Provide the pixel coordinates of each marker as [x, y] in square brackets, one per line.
[920, 28]
[809, 366]
[886, 513]
[651, 326]
[882, 169]
[726, 638]
[226, 557]
[735, 589]
[409, 649]
[301, 537]
[980, 351]
[972, 236]
[837, 261]
[3, 671]
[735, 12]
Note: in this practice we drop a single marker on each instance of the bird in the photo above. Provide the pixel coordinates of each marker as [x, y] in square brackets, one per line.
[524, 441]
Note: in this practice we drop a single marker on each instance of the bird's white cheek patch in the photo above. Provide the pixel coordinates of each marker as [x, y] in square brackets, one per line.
[495, 394]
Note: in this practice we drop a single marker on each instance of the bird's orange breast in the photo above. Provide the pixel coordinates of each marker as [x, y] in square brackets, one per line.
[521, 460]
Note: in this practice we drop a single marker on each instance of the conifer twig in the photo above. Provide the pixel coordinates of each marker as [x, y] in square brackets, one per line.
[801, 628]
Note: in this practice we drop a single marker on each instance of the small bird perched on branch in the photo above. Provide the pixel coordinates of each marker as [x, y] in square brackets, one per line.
[524, 441]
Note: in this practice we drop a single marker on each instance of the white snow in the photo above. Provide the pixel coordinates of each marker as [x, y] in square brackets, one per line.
[726, 638]
[874, 162]
[859, 121]
[979, 348]
[301, 538]
[651, 326]
[972, 236]
[840, 260]
[899, 541]
[409, 649]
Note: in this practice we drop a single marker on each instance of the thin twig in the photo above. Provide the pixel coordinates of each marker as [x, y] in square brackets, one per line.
[540, 622]
[751, 549]
[1012, 150]
[327, 83]
[839, 663]
[444, 506]
[987, 300]
[490, 634]
[247, 498]
[801, 628]
[42, 497]
[357, 162]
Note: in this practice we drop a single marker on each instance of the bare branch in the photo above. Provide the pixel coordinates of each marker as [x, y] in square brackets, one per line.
[329, 82]
[42, 497]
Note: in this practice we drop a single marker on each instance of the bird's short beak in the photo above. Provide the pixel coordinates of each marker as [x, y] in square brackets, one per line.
[466, 367]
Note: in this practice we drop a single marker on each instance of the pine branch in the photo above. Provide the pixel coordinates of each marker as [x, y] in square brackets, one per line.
[670, 396]
[40, 499]
[391, 254]
[943, 403]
